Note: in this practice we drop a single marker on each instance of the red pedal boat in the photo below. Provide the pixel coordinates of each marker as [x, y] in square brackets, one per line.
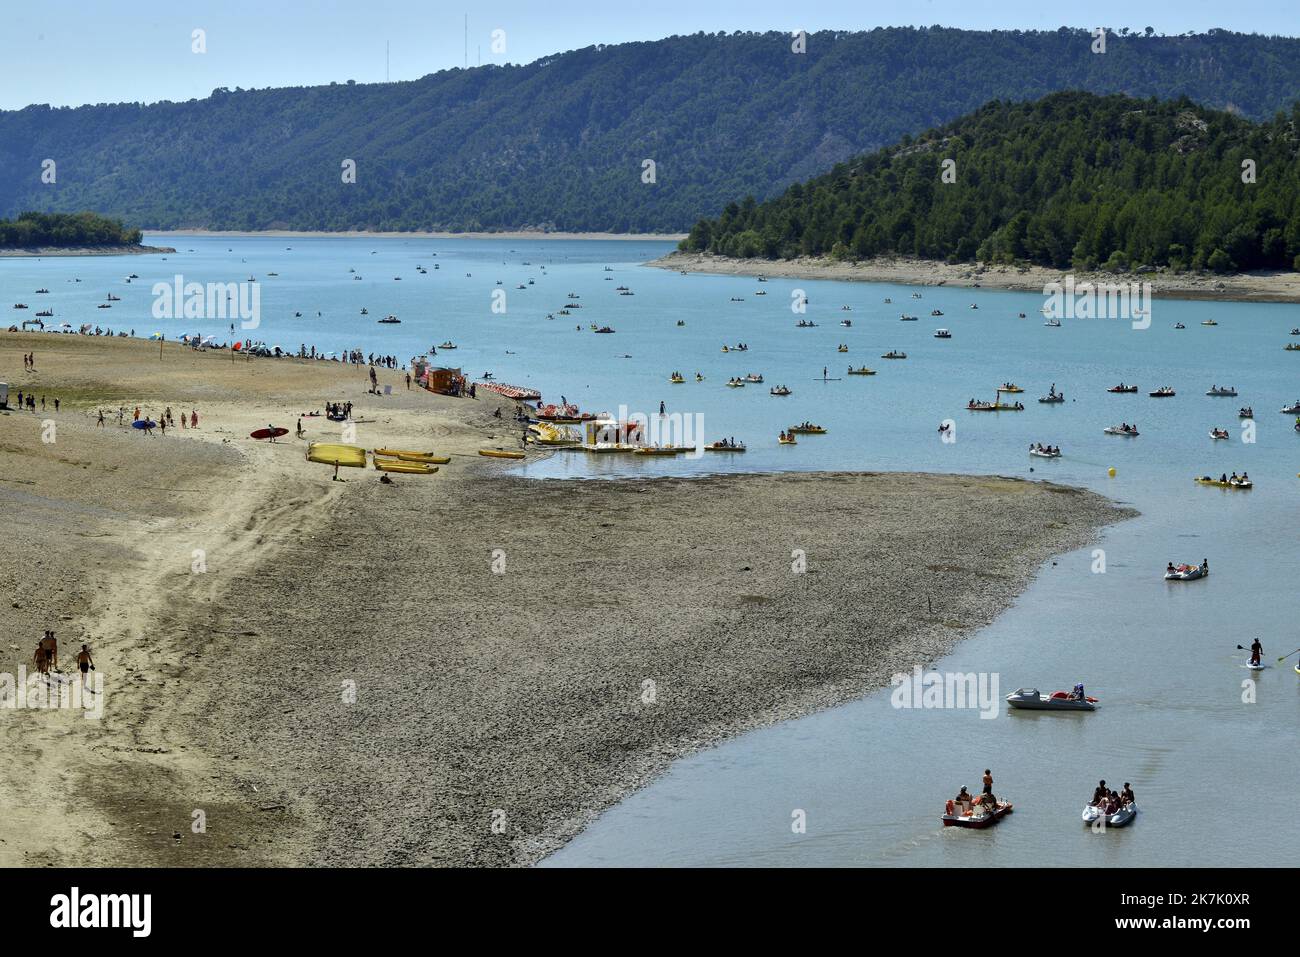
[977, 816]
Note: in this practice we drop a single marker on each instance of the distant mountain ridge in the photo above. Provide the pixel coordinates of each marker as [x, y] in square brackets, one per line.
[560, 143]
[1073, 180]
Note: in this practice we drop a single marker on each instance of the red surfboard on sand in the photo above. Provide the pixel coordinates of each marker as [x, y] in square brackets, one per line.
[268, 433]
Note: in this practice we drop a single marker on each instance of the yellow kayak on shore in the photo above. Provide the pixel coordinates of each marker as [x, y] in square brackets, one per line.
[408, 468]
[428, 457]
[500, 454]
[350, 456]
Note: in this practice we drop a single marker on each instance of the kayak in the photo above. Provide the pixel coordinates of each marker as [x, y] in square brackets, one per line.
[415, 456]
[1030, 699]
[409, 468]
[1186, 573]
[350, 456]
[977, 816]
[1125, 815]
[500, 454]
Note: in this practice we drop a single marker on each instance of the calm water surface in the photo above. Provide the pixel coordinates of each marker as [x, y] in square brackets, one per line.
[870, 778]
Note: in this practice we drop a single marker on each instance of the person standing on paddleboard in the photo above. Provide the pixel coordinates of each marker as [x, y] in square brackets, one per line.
[1256, 652]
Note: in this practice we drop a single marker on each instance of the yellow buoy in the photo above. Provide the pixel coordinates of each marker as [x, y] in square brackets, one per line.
[1111, 471]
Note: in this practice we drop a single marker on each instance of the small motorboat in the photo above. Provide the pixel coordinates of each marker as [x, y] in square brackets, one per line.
[1222, 390]
[936, 312]
[1292, 409]
[787, 440]
[1045, 453]
[1186, 573]
[894, 355]
[779, 390]
[1208, 322]
[1292, 347]
[603, 330]
[389, 321]
[1248, 412]
[1164, 392]
[1296, 331]
[805, 324]
[1029, 699]
[942, 334]
[755, 378]
[1052, 397]
[1095, 815]
[724, 447]
[1123, 389]
[1218, 433]
[1053, 323]
[907, 318]
[976, 815]
[1120, 430]
[448, 345]
[846, 323]
[1010, 387]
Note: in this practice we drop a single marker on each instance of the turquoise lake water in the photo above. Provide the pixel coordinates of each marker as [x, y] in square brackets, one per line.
[872, 779]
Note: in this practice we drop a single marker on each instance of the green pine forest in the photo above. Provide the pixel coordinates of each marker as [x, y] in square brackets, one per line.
[560, 143]
[1073, 180]
[64, 230]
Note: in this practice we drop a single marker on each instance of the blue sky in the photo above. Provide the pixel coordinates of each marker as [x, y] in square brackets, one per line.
[69, 52]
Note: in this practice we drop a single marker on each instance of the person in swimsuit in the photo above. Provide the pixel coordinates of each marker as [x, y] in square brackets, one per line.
[51, 647]
[1099, 794]
[85, 662]
[1126, 796]
[990, 798]
[1256, 651]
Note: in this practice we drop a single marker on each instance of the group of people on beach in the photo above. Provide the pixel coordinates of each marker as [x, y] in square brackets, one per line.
[28, 401]
[29, 361]
[46, 656]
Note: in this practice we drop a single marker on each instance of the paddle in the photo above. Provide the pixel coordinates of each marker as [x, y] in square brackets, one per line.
[1285, 657]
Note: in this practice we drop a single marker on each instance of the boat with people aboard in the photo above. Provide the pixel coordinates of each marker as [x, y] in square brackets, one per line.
[863, 371]
[1122, 388]
[1225, 390]
[1292, 409]
[388, 321]
[1030, 699]
[805, 324]
[725, 445]
[735, 383]
[676, 378]
[1292, 347]
[806, 428]
[1122, 429]
[894, 354]
[1179, 325]
[1123, 815]
[1246, 412]
[1218, 433]
[846, 323]
[1045, 451]
[1187, 573]
[942, 334]
[842, 348]
[978, 811]
[1052, 396]
[936, 312]
[786, 438]
[1164, 392]
[447, 345]
[780, 390]
[1053, 323]
[1010, 387]
[1234, 480]
[603, 330]
[755, 378]
[1208, 322]
[975, 405]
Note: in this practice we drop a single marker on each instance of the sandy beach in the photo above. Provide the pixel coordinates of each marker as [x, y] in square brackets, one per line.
[456, 669]
[44, 252]
[1241, 287]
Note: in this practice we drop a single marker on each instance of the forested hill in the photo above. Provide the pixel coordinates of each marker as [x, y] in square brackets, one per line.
[1073, 180]
[560, 143]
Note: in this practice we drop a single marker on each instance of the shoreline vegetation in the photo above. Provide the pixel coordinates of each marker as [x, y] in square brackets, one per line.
[69, 234]
[1264, 286]
[226, 679]
[43, 252]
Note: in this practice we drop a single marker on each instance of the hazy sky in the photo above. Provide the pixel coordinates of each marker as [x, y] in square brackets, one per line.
[69, 52]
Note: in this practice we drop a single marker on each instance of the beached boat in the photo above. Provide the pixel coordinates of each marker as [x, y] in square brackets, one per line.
[349, 456]
[1230, 483]
[1029, 699]
[976, 816]
[1222, 390]
[1120, 430]
[1186, 573]
[1123, 389]
[501, 453]
[1125, 815]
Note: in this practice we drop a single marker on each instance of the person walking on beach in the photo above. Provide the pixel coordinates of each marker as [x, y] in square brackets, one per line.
[56, 403]
[408, 382]
[100, 423]
[299, 433]
[50, 645]
[194, 419]
[84, 663]
[39, 657]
